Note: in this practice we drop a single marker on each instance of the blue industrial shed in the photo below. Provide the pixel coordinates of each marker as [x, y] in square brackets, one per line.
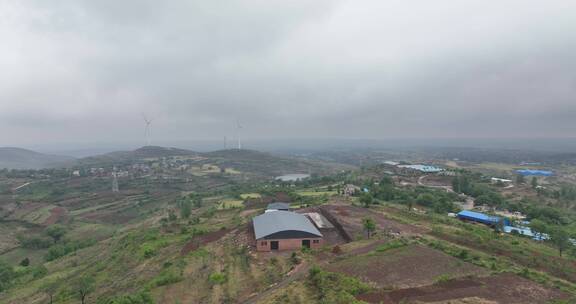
[482, 218]
[529, 172]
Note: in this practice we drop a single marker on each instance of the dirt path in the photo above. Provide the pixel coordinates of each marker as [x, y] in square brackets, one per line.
[421, 183]
[299, 272]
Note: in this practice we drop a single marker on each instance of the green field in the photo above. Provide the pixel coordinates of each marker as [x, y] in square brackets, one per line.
[316, 193]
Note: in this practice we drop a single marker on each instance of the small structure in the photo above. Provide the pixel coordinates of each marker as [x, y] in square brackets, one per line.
[278, 206]
[529, 172]
[350, 189]
[526, 231]
[496, 180]
[422, 168]
[482, 218]
[284, 230]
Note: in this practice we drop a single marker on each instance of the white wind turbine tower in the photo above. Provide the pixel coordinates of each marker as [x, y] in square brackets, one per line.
[238, 127]
[147, 129]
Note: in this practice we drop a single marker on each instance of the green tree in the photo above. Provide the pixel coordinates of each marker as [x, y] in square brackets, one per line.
[534, 182]
[560, 238]
[520, 179]
[538, 227]
[50, 290]
[197, 201]
[366, 199]
[369, 226]
[185, 209]
[84, 286]
[426, 199]
[56, 232]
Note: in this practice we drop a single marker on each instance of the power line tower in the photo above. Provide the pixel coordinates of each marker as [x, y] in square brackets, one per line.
[147, 129]
[115, 182]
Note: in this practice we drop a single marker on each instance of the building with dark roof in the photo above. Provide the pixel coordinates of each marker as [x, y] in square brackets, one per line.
[278, 206]
[284, 230]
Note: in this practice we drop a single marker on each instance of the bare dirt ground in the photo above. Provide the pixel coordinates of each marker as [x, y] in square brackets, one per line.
[503, 288]
[202, 240]
[56, 214]
[435, 181]
[405, 267]
[350, 217]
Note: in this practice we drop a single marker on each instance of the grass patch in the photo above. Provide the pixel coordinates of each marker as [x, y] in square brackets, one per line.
[392, 245]
[230, 204]
[316, 193]
[250, 195]
[334, 287]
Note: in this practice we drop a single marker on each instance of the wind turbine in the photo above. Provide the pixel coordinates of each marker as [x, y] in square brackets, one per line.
[238, 127]
[147, 129]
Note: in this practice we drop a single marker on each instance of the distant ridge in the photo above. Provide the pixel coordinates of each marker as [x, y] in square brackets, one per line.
[140, 153]
[257, 163]
[18, 158]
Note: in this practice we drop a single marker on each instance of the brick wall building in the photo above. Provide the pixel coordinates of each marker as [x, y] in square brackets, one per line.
[284, 230]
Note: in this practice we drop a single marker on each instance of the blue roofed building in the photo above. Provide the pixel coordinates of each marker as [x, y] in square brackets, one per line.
[525, 231]
[530, 172]
[485, 219]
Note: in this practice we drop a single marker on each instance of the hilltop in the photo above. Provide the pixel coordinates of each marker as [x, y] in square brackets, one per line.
[18, 158]
[138, 154]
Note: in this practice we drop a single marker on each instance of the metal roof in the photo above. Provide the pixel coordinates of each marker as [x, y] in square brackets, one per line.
[274, 222]
[423, 168]
[479, 216]
[278, 206]
[528, 172]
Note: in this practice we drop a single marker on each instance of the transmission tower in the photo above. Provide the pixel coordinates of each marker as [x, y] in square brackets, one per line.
[114, 182]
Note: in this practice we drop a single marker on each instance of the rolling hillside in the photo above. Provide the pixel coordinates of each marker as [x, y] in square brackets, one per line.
[18, 158]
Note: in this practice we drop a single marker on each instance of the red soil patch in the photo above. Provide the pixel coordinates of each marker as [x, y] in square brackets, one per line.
[56, 214]
[405, 267]
[198, 241]
[503, 288]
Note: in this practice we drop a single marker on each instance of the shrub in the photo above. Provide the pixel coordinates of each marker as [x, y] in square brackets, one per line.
[138, 298]
[39, 271]
[35, 242]
[392, 245]
[166, 278]
[217, 278]
[60, 250]
[25, 262]
[335, 288]
[336, 250]
[442, 279]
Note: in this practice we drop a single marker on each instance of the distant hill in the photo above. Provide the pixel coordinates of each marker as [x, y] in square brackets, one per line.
[18, 158]
[138, 154]
[270, 164]
[257, 163]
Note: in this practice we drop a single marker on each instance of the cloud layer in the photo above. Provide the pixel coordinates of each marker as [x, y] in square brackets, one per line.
[84, 71]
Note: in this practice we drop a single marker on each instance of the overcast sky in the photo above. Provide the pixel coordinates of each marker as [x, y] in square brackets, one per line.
[83, 71]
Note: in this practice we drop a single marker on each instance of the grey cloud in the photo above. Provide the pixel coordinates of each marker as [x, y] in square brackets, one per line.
[363, 69]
